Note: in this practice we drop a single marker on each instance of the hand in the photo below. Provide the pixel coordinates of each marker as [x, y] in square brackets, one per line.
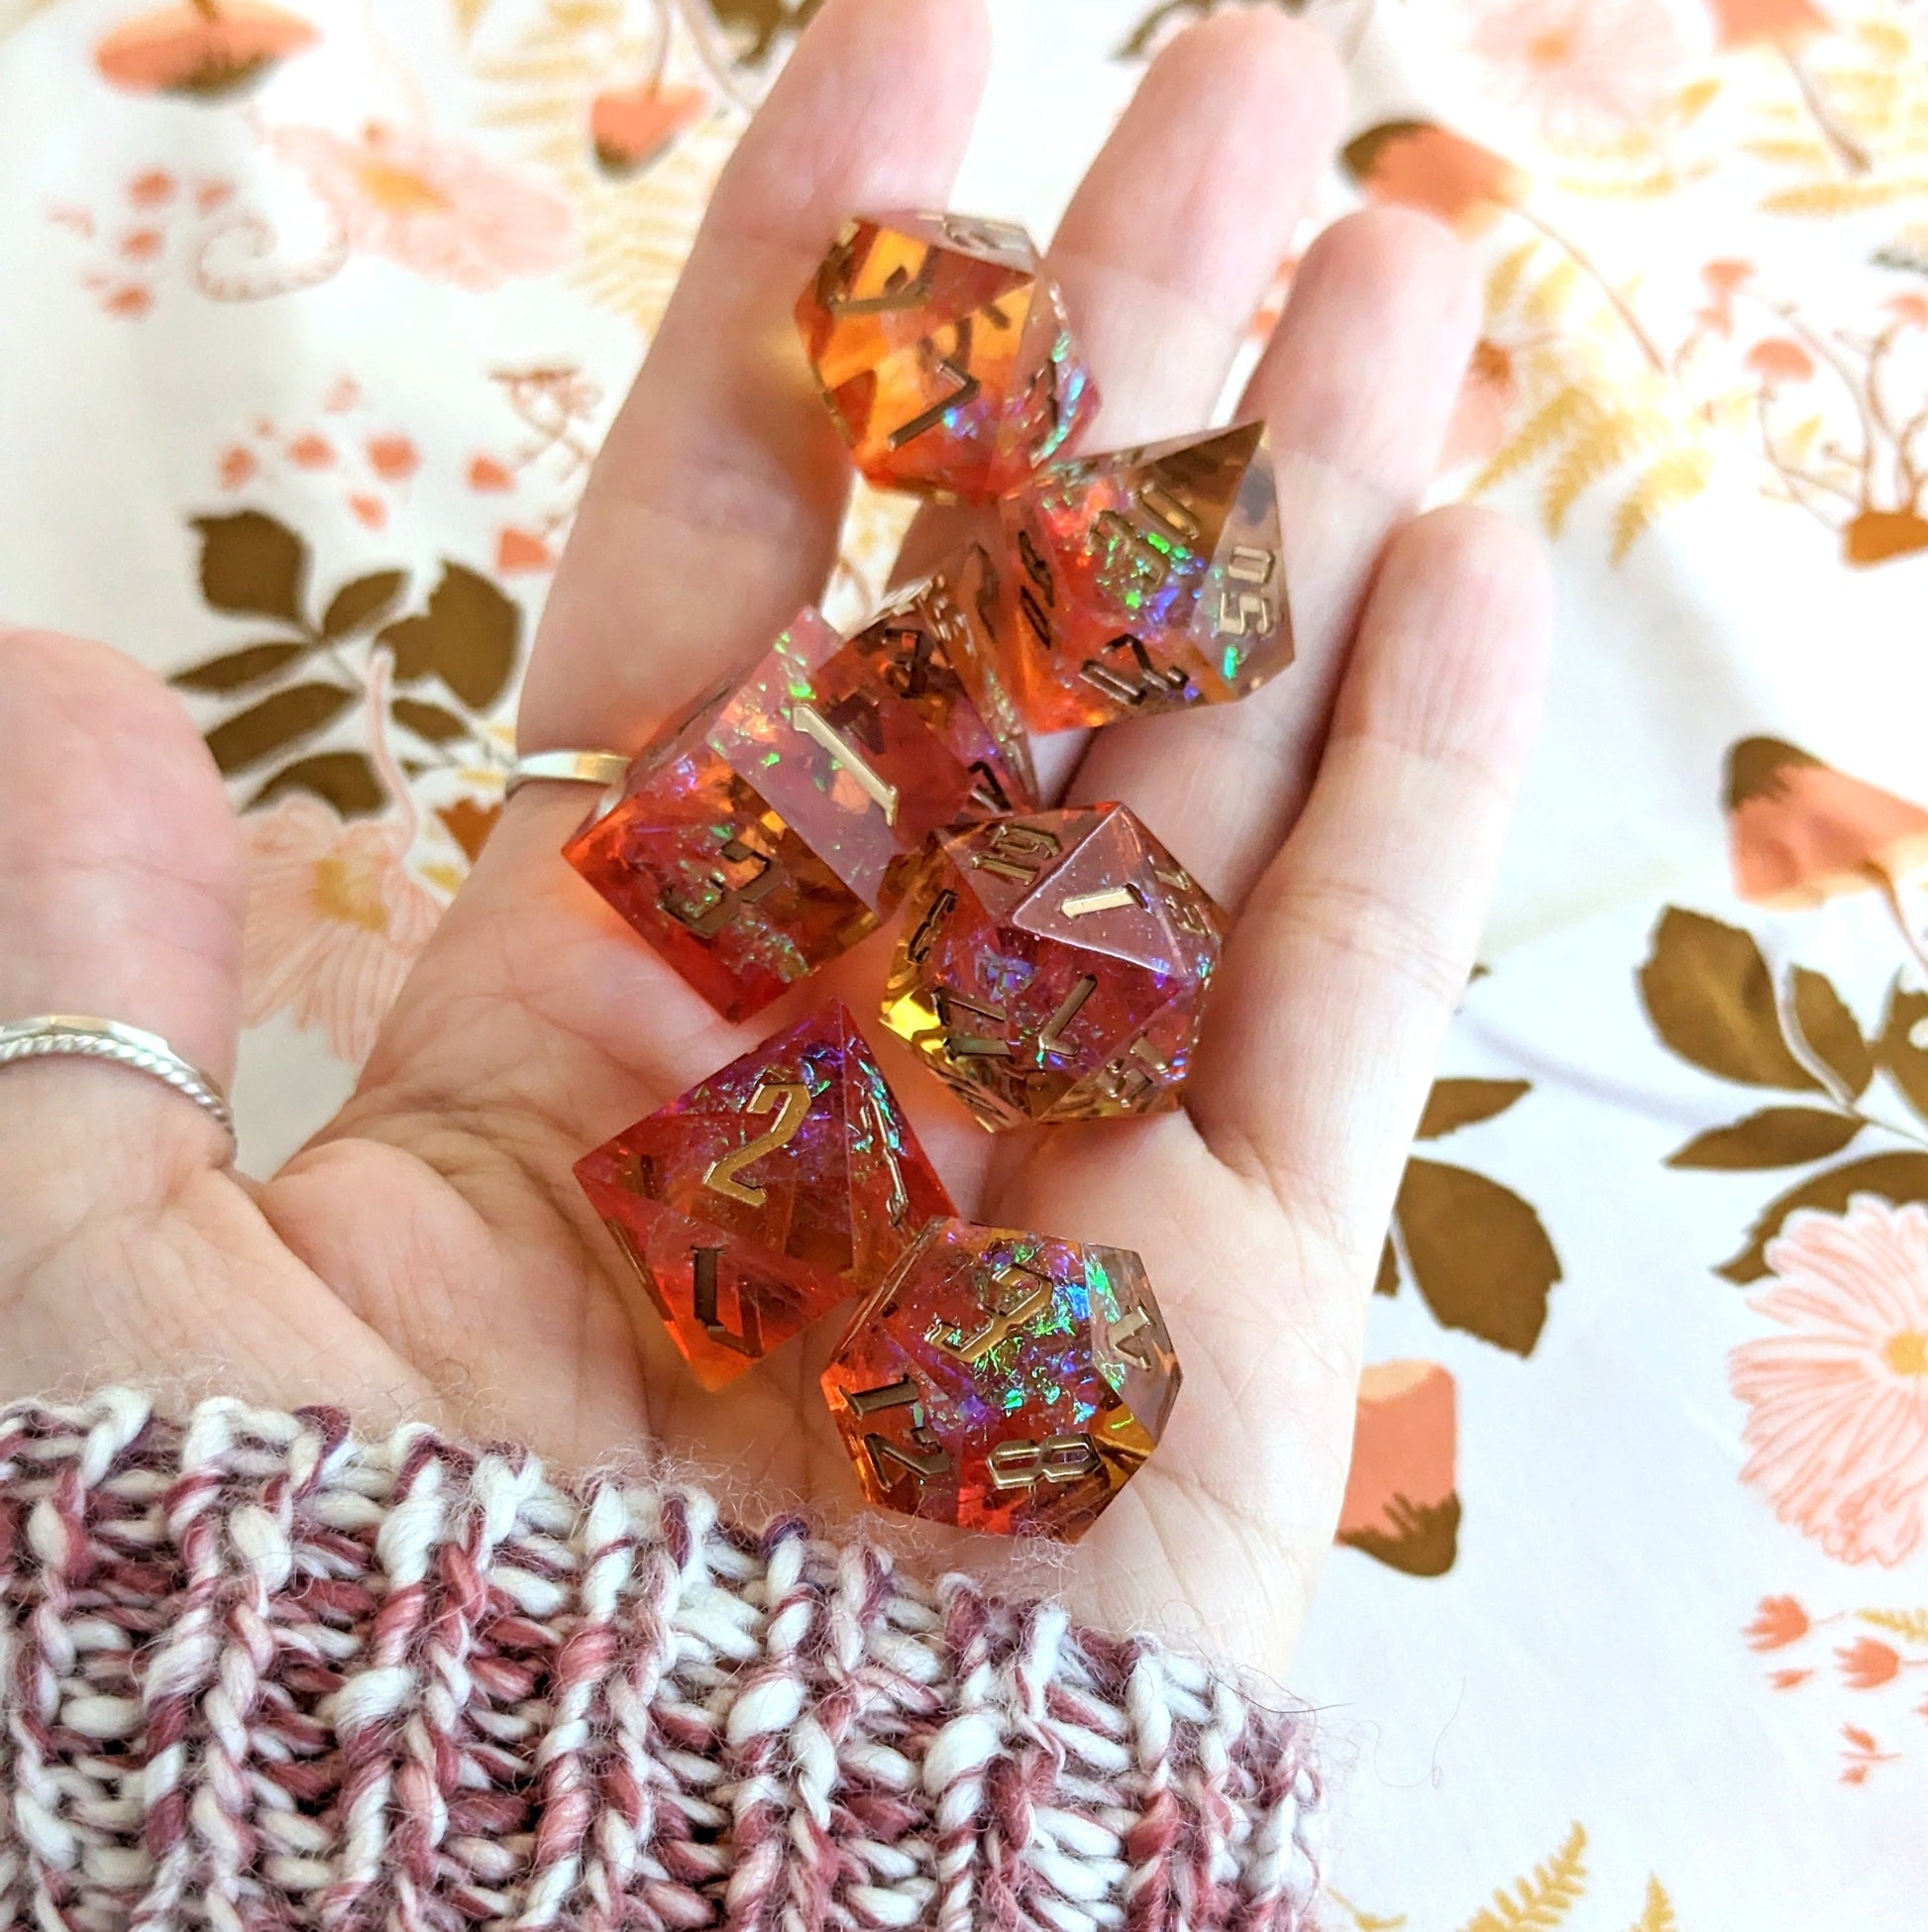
[429, 1251]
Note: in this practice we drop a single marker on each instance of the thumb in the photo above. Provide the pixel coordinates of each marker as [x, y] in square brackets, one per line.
[121, 898]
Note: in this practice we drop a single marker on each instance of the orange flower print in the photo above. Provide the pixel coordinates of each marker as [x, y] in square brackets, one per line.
[333, 921]
[1838, 1402]
[1420, 164]
[1583, 68]
[632, 127]
[1777, 360]
[394, 458]
[1868, 1663]
[205, 48]
[1778, 1622]
[438, 209]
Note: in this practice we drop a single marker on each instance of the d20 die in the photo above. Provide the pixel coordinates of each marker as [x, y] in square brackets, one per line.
[1147, 579]
[767, 1194]
[941, 346]
[771, 829]
[938, 644]
[1004, 1381]
[1054, 966]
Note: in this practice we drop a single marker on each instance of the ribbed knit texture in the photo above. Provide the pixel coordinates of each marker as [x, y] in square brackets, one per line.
[255, 1672]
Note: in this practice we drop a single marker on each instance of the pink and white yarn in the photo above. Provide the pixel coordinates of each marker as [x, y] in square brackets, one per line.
[257, 1673]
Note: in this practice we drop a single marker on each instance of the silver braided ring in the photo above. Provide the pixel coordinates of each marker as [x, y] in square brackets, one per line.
[82, 1034]
[604, 768]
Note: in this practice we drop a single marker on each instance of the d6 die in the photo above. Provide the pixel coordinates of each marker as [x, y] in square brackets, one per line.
[941, 346]
[938, 644]
[767, 1194]
[770, 830]
[1147, 579]
[1004, 1381]
[1054, 966]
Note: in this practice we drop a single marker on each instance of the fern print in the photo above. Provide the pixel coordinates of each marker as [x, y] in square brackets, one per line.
[1543, 1901]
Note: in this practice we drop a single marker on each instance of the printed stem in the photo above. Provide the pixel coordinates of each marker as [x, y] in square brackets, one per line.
[1890, 888]
[1594, 273]
[716, 64]
[1850, 154]
[382, 664]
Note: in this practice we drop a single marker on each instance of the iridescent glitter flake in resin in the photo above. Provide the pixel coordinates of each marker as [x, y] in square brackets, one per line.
[767, 1194]
[770, 830]
[1004, 1381]
[1147, 579]
[1054, 966]
[943, 348]
[938, 644]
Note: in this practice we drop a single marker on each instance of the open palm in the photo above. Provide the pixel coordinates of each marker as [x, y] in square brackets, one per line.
[428, 1253]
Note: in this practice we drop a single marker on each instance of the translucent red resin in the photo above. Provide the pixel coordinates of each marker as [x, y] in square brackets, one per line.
[1054, 966]
[1147, 579]
[767, 1194]
[943, 348]
[771, 829]
[1005, 1381]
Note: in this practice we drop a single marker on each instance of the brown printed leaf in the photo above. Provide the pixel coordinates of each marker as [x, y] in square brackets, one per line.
[1907, 1062]
[1454, 1104]
[250, 565]
[1426, 1542]
[1776, 1136]
[265, 729]
[345, 779]
[235, 670]
[431, 722]
[470, 824]
[1831, 1032]
[1386, 1282]
[1478, 1254]
[1896, 1177]
[358, 604]
[1711, 999]
[470, 636]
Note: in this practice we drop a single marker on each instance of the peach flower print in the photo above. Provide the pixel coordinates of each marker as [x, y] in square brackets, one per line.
[1580, 67]
[442, 210]
[333, 921]
[1838, 1401]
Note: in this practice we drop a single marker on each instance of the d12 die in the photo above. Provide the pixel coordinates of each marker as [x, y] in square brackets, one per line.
[943, 348]
[1054, 966]
[1004, 1381]
[767, 1194]
[938, 644]
[1147, 579]
[770, 830]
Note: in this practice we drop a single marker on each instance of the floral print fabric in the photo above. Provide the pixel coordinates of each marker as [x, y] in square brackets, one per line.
[312, 319]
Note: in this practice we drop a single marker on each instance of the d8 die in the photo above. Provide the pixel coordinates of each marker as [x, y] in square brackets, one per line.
[1147, 579]
[943, 348]
[771, 829]
[938, 644]
[1004, 1381]
[1054, 966]
[767, 1194]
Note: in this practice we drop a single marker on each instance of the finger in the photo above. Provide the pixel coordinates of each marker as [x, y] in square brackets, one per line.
[120, 897]
[1357, 942]
[713, 510]
[1357, 384]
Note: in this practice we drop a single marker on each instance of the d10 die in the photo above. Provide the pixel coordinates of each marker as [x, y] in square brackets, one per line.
[1054, 966]
[770, 830]
[941, 346]
[1147, 579]
[767, 1194]
[1004, 1381]
[938, 644]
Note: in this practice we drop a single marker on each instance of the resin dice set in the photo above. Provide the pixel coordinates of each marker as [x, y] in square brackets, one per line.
[1052, 965]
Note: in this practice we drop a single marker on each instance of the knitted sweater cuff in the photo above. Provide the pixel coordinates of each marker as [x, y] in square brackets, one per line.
[255, 1672]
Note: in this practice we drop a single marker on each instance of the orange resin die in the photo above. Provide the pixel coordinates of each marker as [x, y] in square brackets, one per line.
[936, 644]
[767, 1194]
[1147, 579]
[1054, 967]
[773, 828]
[943, 348]
[1004, 1381]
